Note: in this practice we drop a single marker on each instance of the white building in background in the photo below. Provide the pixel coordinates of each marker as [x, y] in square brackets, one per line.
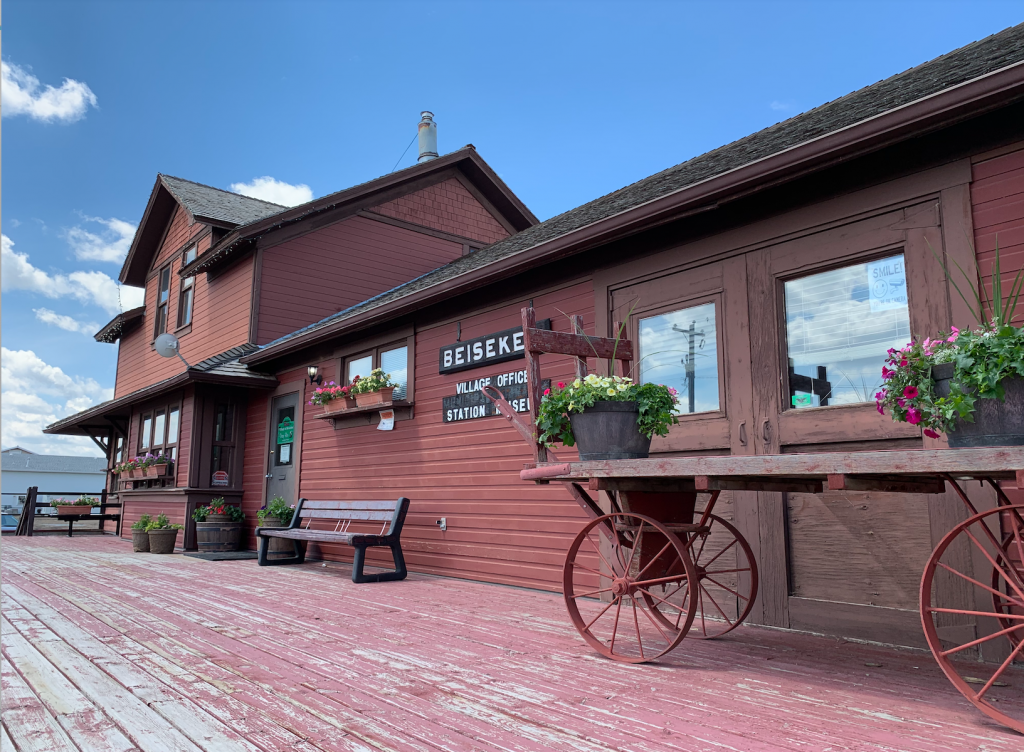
[64, 476]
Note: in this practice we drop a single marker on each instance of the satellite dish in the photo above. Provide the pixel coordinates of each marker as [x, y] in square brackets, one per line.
[166, 346]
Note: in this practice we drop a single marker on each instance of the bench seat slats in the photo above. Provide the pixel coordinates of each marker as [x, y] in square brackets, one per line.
[296, 533]
[329, 514]
[388, 505]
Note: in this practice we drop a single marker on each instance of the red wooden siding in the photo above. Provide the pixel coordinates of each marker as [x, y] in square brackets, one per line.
[997, 198]
[447, 206]
[499, 528]
[174, 508]
[184, 438]
[309, 277]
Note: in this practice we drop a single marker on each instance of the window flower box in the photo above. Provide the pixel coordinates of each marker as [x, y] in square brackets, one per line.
[157, 471]
[378, 397]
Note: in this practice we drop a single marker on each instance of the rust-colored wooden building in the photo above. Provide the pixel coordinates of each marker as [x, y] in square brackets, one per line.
[765, 279]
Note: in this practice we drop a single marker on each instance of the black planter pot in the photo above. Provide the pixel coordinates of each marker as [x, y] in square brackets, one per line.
[608, 431]
[995, 423]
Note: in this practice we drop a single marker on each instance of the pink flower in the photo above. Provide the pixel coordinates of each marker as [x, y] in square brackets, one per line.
[880, 395]
[913, 416]
[910, 392]
[930, 433]
[954, 335]
[886, 373]
[881, 410]
[547, 392]
[561, 385]
[901, 402]
[903, 363]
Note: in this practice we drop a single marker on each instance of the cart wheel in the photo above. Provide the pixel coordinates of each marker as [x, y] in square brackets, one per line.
[949, 626]
[606, 589]
[1002, 601]
[727, 582]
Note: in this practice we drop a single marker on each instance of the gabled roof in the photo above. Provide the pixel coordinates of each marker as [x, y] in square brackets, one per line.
[223, 368]
[52, 463]
[204, 204]
[963, 83]
[120, 325]
[465, 160]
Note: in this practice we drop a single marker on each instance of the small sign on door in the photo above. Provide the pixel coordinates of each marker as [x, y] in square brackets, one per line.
[286, 431]
[220, 478]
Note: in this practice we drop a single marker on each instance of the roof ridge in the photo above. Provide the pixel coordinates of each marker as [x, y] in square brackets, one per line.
[221, 190]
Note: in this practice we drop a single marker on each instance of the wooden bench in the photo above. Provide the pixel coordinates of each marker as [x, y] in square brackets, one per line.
[342, 514]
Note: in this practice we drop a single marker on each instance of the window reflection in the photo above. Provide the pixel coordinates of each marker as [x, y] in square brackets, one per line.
[839, 325]
[680, 349]
[360, 367]
[396, 363]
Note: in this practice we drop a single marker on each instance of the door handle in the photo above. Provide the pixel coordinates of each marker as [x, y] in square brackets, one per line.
[268, 476]
[743, 433]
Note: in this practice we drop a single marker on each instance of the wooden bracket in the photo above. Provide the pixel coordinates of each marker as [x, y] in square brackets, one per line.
[734, 483]
[887, 484]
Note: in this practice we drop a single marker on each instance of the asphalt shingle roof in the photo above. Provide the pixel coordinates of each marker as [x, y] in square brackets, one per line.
[959, 66]
[51, 463]
[213, 203]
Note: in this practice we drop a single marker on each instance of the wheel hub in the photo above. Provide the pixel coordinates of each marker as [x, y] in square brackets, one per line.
[622, 586]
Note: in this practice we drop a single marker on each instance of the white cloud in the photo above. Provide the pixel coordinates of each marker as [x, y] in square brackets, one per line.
[23, 95]
[112, 246]
[267, 188]
[781, 106]
[92, 288]
[66, 322]
[36, 394]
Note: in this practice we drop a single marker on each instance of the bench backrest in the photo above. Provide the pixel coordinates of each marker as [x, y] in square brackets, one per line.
[346, 512]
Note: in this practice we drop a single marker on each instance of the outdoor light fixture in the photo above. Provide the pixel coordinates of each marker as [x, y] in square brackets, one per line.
[314, 377]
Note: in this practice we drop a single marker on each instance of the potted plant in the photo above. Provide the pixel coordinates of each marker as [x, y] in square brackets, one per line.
[218, 526]
[81, 505]
[162, 535]
[968, 384]
[331, 392]
[609, 417]
[140, 536]
[160, 467]
[375, 389]
[276, 513]
[129, 468]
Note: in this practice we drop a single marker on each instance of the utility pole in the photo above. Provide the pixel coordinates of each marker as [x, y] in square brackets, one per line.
[688, 361]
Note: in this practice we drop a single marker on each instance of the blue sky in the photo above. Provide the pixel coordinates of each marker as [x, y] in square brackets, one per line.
[566, 100]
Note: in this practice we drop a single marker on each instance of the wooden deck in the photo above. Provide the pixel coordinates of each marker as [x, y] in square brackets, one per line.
[104, 649]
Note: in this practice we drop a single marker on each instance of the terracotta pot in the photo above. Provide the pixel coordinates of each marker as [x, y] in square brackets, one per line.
[609, 431]
[996, 423]
[134, 472]
[369, 399]
[162, 541]
[160, 470]
[72, 509]
[140, 541]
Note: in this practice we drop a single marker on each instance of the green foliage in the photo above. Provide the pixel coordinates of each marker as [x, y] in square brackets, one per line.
[162, 523]
[1001, 314]
[656, 403]
[276, 507]
[376, 381]
[219, 506]
[81, 501]
[142, 523]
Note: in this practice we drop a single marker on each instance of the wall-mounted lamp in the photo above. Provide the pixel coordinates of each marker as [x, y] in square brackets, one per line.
[314, 377]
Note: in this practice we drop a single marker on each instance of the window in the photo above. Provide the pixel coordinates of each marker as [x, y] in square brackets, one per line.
[839, 325]
[223, 436]
[159, 432]
[186, 295]
[163, 294]
[393, 359]
[680, 349]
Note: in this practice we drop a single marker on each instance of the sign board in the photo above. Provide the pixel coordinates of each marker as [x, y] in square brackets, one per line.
[468, 402]
[387, 420]
[498, 347]
[286, 431]
[220, 478]
[887, 284]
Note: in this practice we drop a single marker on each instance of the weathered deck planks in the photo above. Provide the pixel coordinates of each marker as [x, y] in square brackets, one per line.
[171, 652]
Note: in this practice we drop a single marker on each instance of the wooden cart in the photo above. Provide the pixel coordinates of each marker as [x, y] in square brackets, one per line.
[653, 566]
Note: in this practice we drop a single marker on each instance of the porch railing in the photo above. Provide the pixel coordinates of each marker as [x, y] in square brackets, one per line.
[26, 523]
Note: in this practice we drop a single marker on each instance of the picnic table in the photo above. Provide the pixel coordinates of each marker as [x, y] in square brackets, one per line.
[651, 567]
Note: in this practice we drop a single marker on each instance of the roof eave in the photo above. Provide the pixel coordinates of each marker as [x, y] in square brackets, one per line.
[943, 108]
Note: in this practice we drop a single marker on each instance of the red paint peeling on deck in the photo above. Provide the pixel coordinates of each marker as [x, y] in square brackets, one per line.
[105, 649]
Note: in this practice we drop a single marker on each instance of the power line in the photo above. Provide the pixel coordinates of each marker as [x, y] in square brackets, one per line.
[403, 154]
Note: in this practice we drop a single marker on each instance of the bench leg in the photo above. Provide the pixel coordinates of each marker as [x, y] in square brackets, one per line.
[263, 545]
[359, 559]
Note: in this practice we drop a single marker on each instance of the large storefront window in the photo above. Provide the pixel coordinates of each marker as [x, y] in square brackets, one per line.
[839, 325]
[680, 349]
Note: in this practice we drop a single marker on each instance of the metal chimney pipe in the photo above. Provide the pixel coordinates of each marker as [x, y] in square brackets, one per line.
[427, 137]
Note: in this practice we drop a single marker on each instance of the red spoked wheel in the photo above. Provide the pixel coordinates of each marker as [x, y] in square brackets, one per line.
[726, 577]
[611, 570]
[949, 614]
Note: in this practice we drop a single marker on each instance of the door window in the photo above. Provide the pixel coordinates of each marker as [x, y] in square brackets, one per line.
[284, 436]
[680, 349]
[839, 326]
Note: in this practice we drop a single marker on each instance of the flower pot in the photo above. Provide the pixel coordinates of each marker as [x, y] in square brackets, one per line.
[380, 397]
[156, 471]
[72, 509]
[161, 541]
[218, 534]
[277, 548]
[135, 472]
[996, 423]
[609, 431]
[140, 541]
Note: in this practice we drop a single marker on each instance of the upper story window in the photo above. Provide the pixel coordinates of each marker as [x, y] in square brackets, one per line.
[163, 296]
[186, 296]
[680, 349]
[158, 433]
[393, 359]
[839, 327]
